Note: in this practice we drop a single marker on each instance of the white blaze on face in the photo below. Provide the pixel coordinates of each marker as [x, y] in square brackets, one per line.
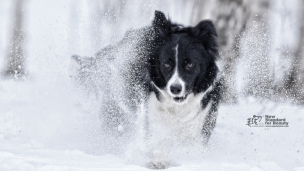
[175, 79]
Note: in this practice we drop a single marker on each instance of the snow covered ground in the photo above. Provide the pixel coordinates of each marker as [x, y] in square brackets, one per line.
[43, 127]
[46, 124]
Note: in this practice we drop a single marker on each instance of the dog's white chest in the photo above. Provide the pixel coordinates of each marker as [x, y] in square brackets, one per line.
[168, 121]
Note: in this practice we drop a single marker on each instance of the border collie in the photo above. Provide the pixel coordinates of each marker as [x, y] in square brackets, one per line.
[172, 70]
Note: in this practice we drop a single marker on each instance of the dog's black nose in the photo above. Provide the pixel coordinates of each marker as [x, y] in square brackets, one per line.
[176, 88]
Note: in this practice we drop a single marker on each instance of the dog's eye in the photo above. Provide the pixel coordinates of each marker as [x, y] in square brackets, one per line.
[167, 65]
[190, 65]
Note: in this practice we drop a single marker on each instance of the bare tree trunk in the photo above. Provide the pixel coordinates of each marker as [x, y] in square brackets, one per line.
[295, 83]
[230, 22]
[231, 18]
[15, 58]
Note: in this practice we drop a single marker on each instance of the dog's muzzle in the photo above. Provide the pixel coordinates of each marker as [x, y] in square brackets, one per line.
[180, 99]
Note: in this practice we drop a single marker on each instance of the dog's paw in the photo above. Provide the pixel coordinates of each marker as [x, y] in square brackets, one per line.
[157, 165]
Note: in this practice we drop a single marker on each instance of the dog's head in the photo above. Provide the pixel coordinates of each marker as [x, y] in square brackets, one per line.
[183, 61]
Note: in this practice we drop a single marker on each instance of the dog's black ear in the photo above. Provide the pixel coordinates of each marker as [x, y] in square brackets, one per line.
[204, 32]
[159, 19]
[161, 25]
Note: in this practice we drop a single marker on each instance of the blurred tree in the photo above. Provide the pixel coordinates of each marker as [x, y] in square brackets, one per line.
[15, 65]
[229, 21]
[295, 82]
[231, 18]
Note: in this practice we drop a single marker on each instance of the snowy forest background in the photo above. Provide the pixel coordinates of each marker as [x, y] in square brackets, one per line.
[260, 41]
[45, 124]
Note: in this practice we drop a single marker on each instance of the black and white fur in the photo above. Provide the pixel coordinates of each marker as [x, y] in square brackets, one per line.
[172, 70]
[185, 89]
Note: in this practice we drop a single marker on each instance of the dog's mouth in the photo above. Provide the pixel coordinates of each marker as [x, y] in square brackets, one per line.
[180, 99]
